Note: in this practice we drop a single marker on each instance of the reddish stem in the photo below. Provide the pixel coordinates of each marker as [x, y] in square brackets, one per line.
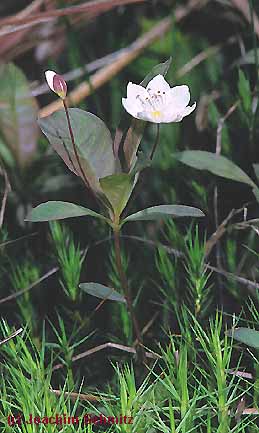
[74, 145]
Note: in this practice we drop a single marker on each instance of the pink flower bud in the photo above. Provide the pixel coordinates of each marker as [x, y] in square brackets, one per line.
[56, 83]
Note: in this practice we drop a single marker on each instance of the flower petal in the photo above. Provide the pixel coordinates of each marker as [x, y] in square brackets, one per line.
[134, 90]
[188, 110]
[50, 79]
[151, 116]
[178, 115]
[158, 83]
[130, 106]
[56, 83]
[179, 96]
[174, 116]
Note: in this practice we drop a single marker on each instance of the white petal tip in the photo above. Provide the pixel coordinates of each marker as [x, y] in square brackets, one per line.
[49, 78]
[56, 83]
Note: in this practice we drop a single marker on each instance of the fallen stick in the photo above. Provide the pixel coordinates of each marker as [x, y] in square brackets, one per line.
[108, 72]
[95, 6]
[21, 292]
[76, 395]
[14, 334]
[105, 74]
[7, 189]
[243, 7]
[105, 346]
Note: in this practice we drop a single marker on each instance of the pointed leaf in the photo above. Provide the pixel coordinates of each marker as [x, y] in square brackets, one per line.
[244, 91]
[92, 139]
[142, 161]
[247, 58]
[118, 188]
[256, 170]
[164, 211]
[101, 291]
[216, 164]
[250, 337]
[56, 210]
[6, 154]
[256, 193]
[18, 113]
[160, 69]
[132, 141]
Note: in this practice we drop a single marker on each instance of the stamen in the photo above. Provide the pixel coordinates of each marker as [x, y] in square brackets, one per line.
[155, 100]
[141, 100]
[150, 102]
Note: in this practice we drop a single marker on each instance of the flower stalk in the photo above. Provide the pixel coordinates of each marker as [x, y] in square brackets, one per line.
[156, 142]
[74, 144]
[59, 86]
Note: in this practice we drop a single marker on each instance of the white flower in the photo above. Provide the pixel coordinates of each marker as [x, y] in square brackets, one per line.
[158, 102]
[56, 83]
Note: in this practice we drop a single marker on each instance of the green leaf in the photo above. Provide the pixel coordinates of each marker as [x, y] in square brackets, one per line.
[118, 188]
[256, 170]
[54, 183]
[248, 58]
[142, 161]
[256, 189]
[103, 292]
[161, 68]
[244, 91]
[6, 154]
[215, 164]
[18, 113]
[164, 211]
[57, 210]
[256, 193]
[250, 337]
[132, 141]
[136, 130]
[93, 142]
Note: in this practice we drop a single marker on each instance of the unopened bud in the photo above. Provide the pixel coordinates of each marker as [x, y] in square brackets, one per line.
[56, 83]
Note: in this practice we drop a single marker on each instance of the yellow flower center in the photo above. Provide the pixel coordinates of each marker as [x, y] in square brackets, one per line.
[156, 114]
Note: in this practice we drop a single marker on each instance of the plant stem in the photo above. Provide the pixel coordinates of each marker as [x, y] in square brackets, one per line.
[74, 145]
[156, 142]
[82, 173]
[251, 9]
[127, 291]
[253, 115]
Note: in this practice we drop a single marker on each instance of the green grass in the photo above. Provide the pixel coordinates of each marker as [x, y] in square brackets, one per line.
[192, 386]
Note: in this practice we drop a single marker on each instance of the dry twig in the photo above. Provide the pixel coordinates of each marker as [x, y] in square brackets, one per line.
[75, 396]
[96, 6]
[7, 189]
[108, 72]
[21, 292]
[242, 280]
[216, 236]
[147, 327]
[14, 334]
[5, 244]
[107, 345]
[12, 40]
[243, 7]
